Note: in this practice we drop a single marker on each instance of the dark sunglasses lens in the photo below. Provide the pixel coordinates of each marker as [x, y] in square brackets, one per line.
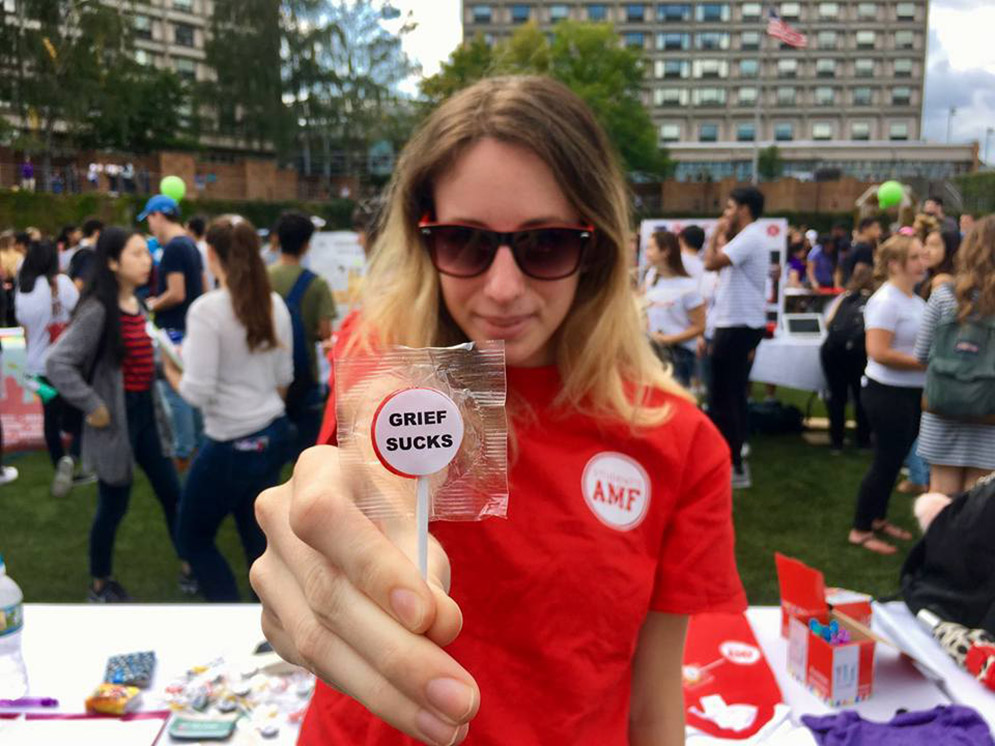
[459, 251]
[550, 253]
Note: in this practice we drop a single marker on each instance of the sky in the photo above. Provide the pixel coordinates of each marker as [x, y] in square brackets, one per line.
[960, 64]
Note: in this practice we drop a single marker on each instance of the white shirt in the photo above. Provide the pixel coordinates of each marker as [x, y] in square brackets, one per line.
[34, 313]
[236, 389]
[740, 295]
[211, 281]
[693, 264]
[894, 311]
[668, 304]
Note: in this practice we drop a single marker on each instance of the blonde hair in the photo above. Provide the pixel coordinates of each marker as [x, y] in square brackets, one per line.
[924, 225]
[604, 359]
[895, 249]
[974, 283]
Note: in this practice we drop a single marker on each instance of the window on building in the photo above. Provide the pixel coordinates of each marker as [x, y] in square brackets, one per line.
[142, 57]
[710, 69]
[672, 41]
[825, 68]
[712, 12]
[520, 13]
[866, 39]
[748, 68]
[863, 68]
[860, 131]
[183, 34]
[559, 12]
[898, 131]
[635, 39]
[901, 95]
[784, 131]
[673, 12]
[746, 132]
[903, 68]
[186, 69]
[751, 11]
[670, 96]
[791, 10]
[712, 40]
[905, 11]
[672, 68]
[827, 40]
[862, 96]
[905, 40]
[787, 67]
[184, 5]
[597, 12]
[709, 96]
[481, 13]
[829, 10]
[670, 132]
[143, 27]
[749, 40]
[822, 131]
[786, 96]
[747, 96]
[867, 11]
[825, 95]
[708, 132]
[635, 13]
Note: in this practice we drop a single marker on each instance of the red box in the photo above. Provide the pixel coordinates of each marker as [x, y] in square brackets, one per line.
[838, 674]
[809, 595]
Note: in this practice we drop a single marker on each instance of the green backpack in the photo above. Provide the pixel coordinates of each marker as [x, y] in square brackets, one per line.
[960, 380]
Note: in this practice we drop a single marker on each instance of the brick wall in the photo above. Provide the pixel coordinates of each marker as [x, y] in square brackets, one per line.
[783, 195]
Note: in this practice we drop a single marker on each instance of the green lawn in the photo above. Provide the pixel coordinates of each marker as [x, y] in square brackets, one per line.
[801, 504]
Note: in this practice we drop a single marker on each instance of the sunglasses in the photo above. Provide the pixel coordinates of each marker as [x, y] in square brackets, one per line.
[546, 252]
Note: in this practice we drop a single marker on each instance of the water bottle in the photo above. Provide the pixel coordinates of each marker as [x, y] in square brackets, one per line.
[13, 675]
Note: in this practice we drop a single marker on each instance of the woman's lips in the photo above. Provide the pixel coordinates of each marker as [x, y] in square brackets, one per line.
[504, 327]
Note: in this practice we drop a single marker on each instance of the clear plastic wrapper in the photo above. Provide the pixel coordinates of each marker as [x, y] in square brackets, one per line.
[474, 485]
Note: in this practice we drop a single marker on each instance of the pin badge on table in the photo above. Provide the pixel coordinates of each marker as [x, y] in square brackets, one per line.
[416, 432]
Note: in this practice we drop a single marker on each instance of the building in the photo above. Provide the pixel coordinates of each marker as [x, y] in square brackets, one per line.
[711, 68]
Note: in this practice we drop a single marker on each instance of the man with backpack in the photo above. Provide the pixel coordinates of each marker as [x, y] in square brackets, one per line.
[312, 310]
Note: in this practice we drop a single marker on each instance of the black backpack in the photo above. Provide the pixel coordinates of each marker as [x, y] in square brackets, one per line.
[846, 330]
[951, 571]
[303, 380]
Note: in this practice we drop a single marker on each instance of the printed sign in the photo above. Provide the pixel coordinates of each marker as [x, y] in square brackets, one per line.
[616, 489]
[417, 432]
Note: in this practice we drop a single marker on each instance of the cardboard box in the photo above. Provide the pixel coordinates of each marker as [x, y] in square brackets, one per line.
[838, 674]
[809, 594]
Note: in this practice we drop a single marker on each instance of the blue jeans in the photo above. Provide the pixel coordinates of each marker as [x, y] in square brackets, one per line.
[918, 469]
[112, 500]
[188, 425]
[683, 361]
[225, 477]
[306, 420]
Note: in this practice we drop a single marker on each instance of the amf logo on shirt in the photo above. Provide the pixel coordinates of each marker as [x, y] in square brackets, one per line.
[617, 490]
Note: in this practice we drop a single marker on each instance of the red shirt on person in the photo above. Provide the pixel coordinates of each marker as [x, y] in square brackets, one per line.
[602, 527]
[138, 365]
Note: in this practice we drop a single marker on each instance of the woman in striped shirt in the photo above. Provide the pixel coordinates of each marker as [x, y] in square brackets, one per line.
[103, 364]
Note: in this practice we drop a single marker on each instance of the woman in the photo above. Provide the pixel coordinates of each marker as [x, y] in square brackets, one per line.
[891, 395]
[238, 363]
[797, 266]
[844, 357]
[675, 310]
[103, 365]
[940, 252]
[959, 453]
[822, 264]
[45, 301]
[508, 219]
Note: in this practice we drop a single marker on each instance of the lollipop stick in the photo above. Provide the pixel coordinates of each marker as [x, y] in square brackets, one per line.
[421, 517]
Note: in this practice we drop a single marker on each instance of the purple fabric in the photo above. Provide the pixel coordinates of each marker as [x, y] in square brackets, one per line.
[942, 726]
[27, 171]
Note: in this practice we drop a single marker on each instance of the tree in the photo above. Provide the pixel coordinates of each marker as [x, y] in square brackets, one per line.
[770, 165]
[589, 60]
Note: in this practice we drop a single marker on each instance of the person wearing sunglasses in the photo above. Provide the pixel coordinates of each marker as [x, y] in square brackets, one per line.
[508, 218]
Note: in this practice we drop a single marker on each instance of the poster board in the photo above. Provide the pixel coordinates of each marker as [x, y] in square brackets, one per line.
[20, 408]
[338, 257]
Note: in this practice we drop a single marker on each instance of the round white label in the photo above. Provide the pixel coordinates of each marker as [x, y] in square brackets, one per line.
[417, 431]
[739, 653]
[616, 489]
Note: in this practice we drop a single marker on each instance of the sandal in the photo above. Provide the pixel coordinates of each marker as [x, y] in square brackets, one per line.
[872, 543]
[891, 530]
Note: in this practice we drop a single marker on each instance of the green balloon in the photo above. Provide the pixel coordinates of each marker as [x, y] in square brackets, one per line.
[890, 194]
[173, 186]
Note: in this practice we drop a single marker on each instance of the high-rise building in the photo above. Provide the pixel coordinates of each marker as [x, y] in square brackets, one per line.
[171, 34]
[711, 66]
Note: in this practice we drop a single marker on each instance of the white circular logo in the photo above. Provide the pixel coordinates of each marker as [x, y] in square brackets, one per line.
[417, 431]
[616, 489]
[739, 653]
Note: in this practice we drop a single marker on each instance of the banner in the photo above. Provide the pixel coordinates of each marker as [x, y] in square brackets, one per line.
[20, 408]
[338, 257]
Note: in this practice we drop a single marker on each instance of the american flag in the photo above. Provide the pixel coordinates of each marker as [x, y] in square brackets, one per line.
[781, 30]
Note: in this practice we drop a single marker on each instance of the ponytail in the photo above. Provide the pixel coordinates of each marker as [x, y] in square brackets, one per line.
[236, 244]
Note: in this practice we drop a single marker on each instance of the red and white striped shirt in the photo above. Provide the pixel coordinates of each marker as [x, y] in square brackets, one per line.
[138, 366]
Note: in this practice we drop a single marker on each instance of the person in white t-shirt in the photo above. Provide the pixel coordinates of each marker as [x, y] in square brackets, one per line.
[894, 379]
[691, 239]
[738, 315]
[675, 310]
[196, 228]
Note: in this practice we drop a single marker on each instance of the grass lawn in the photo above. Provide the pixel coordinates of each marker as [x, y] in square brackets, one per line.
[801, 504]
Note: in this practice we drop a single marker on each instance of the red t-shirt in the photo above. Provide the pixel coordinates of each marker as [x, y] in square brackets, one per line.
[138, 366]
[602, 528]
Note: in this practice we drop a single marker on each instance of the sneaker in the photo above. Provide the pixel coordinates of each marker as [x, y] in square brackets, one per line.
[111, 593]
[7, 475]
[188, 584]
[62, 482]
[741, 478]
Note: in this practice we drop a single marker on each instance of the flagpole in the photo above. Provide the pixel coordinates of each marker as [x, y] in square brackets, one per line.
[755, 179]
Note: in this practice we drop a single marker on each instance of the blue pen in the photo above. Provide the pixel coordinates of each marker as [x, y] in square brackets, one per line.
[30, 702]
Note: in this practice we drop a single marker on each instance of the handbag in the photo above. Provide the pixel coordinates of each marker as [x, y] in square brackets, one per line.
[55, 328]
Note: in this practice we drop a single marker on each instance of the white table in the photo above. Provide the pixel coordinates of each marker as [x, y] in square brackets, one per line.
[790, 361]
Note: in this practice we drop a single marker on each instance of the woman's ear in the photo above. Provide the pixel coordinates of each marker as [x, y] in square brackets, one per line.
[113, 265]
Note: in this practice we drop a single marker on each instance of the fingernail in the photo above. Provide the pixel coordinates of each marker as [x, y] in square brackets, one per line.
[436, 731]
[452, 698]
[408, 607]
